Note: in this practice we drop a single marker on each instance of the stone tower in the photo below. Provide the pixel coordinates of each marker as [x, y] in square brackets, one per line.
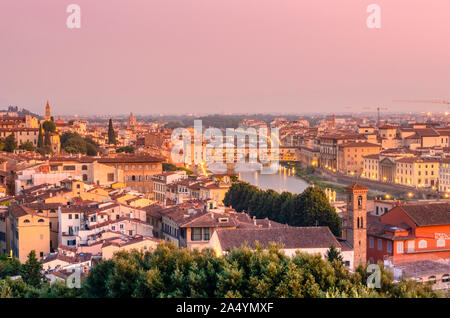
[355, 222]
[48, 114]
[131, 121]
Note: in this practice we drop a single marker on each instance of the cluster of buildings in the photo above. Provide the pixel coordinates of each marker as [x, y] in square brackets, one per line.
[74, 209]
[71, 223]
[407, 153]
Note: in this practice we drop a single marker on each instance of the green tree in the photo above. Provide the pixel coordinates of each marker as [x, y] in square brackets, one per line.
[40, 142]
[10, 143]
[74, 143]
[111, 133]
[91, 149]
[309, 208]
[334, 254]
[169, 271]
[47, 138]
[28, 146]
[126, 149]
[315, 209]
[94, 285]
[31, 270]
[8, 266]
[49, 126]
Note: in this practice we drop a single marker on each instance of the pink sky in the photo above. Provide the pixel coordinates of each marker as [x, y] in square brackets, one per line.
[169, 56]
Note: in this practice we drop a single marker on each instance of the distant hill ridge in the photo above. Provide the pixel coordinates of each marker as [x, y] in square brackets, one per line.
[20, 112]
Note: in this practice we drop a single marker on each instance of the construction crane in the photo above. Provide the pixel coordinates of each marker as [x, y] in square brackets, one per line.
[378, 108]
[432, 101]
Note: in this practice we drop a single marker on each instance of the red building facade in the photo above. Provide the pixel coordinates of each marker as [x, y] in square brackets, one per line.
[410, 232]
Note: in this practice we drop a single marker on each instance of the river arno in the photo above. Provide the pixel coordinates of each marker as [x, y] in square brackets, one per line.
[284, 180]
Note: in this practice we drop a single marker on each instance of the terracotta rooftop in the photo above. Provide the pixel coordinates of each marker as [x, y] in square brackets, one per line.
[356, 186]
[288, 237]
[360, 144]
[428, 214]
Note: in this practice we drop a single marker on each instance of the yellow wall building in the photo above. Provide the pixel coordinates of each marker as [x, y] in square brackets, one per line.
[417, 172]
[351, 156]
[28, 231]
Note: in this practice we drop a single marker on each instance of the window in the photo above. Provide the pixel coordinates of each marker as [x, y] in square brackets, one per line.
[84, 167]
[410, 246]
[432, 279]
[71, 242]
[76, 216]
[85, 177]
[69, 168]
[399, 247]
[110, 177]
[206, 234]
[389, 246]
[70, 216]
[445, 278]
[41, 221]
[360, 200]
[380, 244]
[371, 242]
[196, 234]
[422, 244]
[440, 242]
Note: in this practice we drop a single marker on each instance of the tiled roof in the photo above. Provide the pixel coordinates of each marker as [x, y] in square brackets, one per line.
[288, 237]
[428, 214]
[359, 144]
[356, 186]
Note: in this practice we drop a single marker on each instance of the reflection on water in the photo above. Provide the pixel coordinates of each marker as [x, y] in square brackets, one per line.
[284, 180]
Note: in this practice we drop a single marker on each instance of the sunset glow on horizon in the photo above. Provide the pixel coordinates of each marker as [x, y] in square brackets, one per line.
[188, 56]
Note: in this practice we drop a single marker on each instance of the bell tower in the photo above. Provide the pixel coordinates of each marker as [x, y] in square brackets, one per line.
[355, 222]
[48, 114]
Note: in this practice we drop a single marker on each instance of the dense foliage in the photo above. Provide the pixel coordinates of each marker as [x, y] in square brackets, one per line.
[31, 283]
[49, 126]
[173, 272]
[169, 271]
[9, 143]
[74, 143]
[125, 149]
[309, 208]
[171, 167]
[27, 146]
